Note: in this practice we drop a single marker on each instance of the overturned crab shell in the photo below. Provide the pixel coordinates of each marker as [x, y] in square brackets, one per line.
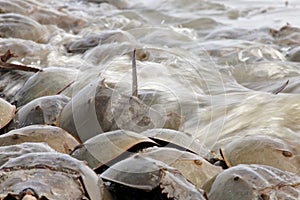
[250, 182]
[50, 81]
[7, 112]
[97, 108]
[43, 110]
[16, 150]
[103, 148]
[177, 139]
[146, 174]
[193, 167]
[49, 174]
[55, 137]
[265, 150]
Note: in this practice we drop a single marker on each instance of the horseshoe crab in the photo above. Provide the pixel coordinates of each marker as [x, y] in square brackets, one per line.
[11, 82]
[97, 108]
[11, 24]
[7, 112]
[250, 182]
[107, 147]
[294, 54]
[28, 52]
[85, 43]
[265, 150]
[48, 174]
[177, 139]
[193, 167]
[43, 110]
[286, 35]
[50, 81]
[12, 7]
[139, 177]
[55, 137]
[12, 151]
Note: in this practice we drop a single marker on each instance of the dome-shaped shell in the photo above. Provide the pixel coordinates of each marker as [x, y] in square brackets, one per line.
[250, 182]
[50, 81]
[103, 148]
[43, 110]
[265, 150]
[12, 151]
[193, 167]
[88, 114]
[53, 172]
[181, 140]
[11, 24]
[55, 137]
[7, 112]
[146, 174]
[97, 108]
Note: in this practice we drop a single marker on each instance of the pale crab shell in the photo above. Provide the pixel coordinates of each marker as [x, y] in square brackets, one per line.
[250, 182]
[55, 137]
[49, 173]
[7, 112]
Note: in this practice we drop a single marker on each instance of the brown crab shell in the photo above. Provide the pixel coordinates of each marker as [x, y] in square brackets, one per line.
[106, 147]
[250, 182]
[12, 151]
[193, 167]
[97, 108]
[177, 139]
[265, 150]
[11, 24]
[7, 112]
[50, 81]
[55, 137]
[105, 37]
[44, 110]
[146, 174]
[49, 174]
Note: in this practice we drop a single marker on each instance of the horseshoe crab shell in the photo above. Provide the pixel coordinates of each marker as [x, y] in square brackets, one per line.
[55, 137]
[103, 148]
[177, 139]
[16, 150]
[11, 24]
[250, 182]
[265, 150]
[7, 112]
[97, 108]
[49, 174]
[147, 174]
[50, 81]
[193, 167]
[43, 110]
[88, 42]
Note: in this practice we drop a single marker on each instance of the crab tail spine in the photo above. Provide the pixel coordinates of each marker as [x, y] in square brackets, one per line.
[134, 75]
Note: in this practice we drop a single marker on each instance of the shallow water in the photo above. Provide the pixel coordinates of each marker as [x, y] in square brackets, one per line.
[214, 62]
